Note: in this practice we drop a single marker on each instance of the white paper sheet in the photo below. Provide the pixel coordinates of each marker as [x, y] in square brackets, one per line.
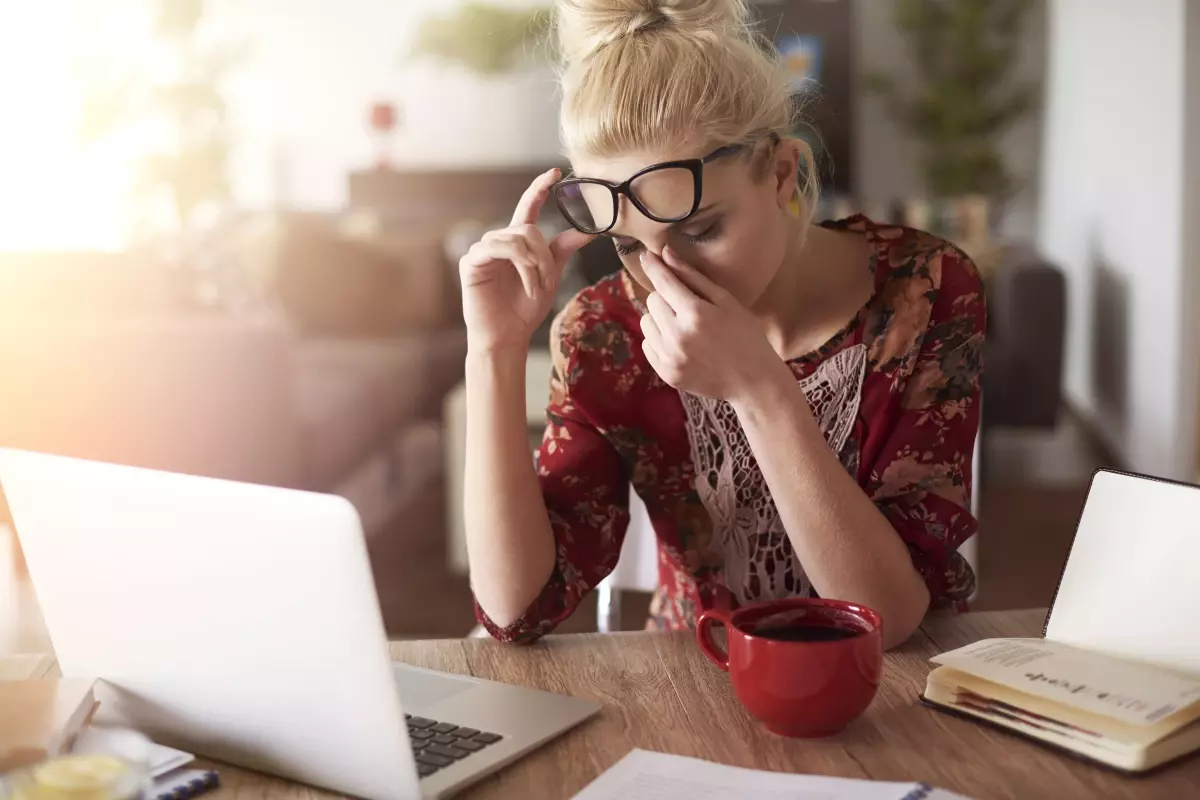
[645, 775]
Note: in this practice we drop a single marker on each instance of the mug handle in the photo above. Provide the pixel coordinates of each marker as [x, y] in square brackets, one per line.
[704, 637]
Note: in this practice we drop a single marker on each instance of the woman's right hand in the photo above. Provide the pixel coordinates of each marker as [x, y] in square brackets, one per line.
[510, 276]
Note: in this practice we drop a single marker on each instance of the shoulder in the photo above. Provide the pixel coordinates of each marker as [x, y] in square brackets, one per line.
[910, 255]
[597, 330]
[923, 283]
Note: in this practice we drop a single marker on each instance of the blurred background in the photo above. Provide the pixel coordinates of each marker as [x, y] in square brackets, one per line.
[229, 232]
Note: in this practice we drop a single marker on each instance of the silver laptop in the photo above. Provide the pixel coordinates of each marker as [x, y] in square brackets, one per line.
[240, 622]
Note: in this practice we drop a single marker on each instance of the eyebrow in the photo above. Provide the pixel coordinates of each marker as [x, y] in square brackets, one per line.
[674, 225]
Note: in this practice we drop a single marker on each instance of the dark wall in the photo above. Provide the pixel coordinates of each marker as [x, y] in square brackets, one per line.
[830, 108]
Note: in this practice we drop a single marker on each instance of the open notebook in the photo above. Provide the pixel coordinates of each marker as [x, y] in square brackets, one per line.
[1116, 678]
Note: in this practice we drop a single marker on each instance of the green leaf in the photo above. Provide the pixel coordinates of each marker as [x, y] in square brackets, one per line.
[880, 83]
[178, 19]
[965, 98]
[193, 171]
[486, 39]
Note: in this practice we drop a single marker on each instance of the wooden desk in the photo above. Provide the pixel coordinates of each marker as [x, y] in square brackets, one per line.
[660, 693]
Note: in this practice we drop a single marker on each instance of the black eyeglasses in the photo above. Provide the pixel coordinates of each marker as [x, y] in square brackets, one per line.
[666, 192]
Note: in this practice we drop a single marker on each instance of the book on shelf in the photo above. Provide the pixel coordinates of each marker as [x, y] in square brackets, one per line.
[1116, 677]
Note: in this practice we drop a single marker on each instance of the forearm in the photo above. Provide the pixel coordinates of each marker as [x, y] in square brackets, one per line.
[510, 544]
[849, 550]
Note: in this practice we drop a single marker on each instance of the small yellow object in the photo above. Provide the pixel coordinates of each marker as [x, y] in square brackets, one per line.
[90, 777]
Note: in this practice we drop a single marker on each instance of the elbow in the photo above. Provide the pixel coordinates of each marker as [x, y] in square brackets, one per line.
[500, 615]
[896, 635]
[905, 618]
[507, 629]
[500, 620]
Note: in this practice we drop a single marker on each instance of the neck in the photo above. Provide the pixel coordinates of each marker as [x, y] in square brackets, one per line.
[788, 297]
[817, 290]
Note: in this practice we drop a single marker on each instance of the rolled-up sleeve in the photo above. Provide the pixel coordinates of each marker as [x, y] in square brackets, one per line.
[585, 486]
[922, 479]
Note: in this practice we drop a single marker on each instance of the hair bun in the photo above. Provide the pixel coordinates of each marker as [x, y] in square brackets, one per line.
[585, 26]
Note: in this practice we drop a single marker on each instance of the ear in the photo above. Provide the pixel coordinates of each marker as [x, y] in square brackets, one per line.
[789, 154]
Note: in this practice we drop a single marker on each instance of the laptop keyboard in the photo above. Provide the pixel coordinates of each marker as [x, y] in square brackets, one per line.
[440, 744]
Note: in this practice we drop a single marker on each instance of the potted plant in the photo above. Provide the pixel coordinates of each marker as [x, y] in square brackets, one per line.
[480, 89]
[485, 38]
[965, 97]
[169, 102]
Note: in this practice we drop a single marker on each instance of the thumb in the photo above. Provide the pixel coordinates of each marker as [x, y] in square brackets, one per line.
[567, 243]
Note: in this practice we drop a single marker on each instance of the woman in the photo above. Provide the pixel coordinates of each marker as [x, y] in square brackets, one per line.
[796, 404]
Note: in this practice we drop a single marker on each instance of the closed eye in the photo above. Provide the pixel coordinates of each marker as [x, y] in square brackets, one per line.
[712, 231]
[628, 247]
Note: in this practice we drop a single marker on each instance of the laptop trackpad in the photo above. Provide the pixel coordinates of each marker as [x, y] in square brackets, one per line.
[420, 689]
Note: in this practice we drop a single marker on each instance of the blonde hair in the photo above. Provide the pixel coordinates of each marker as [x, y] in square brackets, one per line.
[643, 75]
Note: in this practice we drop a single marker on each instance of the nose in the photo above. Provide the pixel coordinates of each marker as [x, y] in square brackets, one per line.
[632, 223]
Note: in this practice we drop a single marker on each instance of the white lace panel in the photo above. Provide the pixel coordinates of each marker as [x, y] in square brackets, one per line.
[759, 563]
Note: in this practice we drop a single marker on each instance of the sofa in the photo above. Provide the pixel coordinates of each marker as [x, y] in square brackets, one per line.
[101, 357]
[1026, 341]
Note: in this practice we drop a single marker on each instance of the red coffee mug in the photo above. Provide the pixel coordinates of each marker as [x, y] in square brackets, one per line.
[802, 689]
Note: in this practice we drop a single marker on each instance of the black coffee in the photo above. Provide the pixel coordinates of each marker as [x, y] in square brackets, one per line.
[807, 633]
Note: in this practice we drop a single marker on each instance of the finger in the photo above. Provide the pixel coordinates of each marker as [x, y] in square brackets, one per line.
[659, 362]
[530, 237]
[651, 331]
[514, 252]
[567, 243]
[652, 343]
[660, 338]
[694, 279]
[517, 247]
[549, 270]
[652, 357]
[531, 202]
[667, 283]
[660, 309]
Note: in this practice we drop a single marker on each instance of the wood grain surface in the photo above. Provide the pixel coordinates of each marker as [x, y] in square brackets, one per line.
[660, 693]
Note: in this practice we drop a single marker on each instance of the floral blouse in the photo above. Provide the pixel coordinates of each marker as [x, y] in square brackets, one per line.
[896, 394]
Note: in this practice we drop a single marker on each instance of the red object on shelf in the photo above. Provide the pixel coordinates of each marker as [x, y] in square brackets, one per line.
[383, 123]
[383, 117]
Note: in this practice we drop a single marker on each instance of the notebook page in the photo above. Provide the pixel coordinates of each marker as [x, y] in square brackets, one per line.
[1129, 588]
[645, 775]
[1128, 691]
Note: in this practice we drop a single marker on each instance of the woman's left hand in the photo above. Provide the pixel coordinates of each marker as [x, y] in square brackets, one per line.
[699, 338]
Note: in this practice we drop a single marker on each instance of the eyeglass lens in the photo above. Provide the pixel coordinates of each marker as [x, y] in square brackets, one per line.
[668, 194]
